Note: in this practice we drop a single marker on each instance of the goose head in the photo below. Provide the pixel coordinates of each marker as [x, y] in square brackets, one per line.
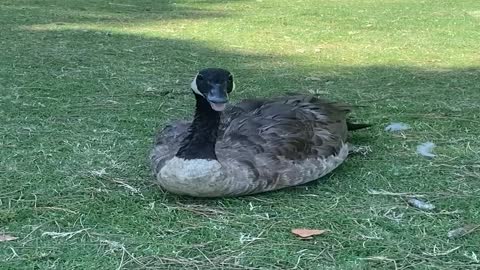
[214, 85]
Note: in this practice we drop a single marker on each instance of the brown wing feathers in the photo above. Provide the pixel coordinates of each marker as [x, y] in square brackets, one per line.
[296, 127]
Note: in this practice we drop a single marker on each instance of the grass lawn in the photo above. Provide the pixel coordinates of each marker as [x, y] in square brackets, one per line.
[85, 85]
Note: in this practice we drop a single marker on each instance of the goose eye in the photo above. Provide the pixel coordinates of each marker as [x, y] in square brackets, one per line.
[230, 78]
[199, 77]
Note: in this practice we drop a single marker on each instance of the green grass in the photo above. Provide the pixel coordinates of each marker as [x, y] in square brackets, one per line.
[85, 84]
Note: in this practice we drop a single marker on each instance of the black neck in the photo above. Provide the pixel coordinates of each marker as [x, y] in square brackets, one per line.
[202, 134]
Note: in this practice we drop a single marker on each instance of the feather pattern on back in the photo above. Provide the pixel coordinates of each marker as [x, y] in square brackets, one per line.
[262, 145]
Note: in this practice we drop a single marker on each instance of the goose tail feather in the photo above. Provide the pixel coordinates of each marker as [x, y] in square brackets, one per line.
[354, 126]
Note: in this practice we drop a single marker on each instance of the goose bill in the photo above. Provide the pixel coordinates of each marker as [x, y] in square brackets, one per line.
[218, 106]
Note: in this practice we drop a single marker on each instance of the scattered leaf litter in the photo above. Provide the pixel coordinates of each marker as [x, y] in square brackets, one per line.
[307, 233]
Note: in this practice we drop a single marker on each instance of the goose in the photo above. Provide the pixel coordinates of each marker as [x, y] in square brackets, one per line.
[254, 146]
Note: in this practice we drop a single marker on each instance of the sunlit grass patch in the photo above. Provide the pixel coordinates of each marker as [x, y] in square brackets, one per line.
[85, 85]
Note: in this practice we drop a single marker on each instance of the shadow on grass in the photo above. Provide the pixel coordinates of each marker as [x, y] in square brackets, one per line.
[92, 11]
[111, 92]
[79, 110]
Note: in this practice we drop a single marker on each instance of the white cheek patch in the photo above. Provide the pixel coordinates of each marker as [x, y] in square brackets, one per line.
[233, 86]
[194, 86]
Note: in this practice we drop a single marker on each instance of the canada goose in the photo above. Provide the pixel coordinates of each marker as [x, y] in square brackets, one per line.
[254, 146]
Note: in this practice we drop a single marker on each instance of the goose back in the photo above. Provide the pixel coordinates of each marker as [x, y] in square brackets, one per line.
[266, 145]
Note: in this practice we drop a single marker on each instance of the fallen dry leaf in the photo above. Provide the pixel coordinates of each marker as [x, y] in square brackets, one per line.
[307, 233]
[6, 237]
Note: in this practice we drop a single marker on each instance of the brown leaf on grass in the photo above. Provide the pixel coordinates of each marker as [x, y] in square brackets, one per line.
[307, 233]
[6, 238]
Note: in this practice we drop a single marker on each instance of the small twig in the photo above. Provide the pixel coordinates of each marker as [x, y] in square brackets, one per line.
[202, 210]
[381, 258]
[387, 193]
[14, 255]
[115, 245]
[205, 256]
[57, 208]
[34, 230]
[298, 261]
[121, 260]
[5, 195]
[127, 186]
[68, 235]
[121, 5]
[435, 253]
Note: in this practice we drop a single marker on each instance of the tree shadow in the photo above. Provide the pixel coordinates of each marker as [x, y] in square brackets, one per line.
[79, 109]
[91, 11]
[112, 91]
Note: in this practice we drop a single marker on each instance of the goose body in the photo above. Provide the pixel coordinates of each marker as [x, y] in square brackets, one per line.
[254, 146]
